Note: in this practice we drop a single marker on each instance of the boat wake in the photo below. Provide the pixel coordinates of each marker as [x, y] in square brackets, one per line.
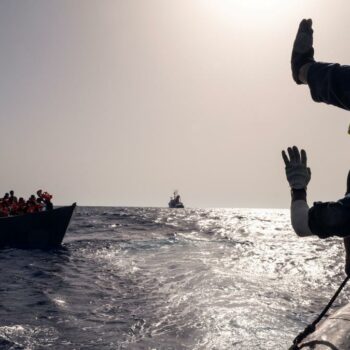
[144, 278]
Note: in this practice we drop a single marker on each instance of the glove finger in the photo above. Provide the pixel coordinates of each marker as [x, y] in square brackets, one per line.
[304, 39]
[285, 158]
[309, 171]
[296, 154]
[305, 26]
[303, 157]
[291, 155]
[309, 26]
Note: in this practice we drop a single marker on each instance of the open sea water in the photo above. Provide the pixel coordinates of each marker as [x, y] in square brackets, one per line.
[154, 278]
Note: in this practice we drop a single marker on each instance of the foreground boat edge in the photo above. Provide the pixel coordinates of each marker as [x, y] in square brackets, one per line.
[43, 230]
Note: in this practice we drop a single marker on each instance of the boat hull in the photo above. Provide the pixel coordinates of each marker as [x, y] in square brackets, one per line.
[43, 230]
[177, 205]
[332, 333]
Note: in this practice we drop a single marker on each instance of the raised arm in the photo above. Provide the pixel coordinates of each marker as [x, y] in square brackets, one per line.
[328, 82]
[298, 177]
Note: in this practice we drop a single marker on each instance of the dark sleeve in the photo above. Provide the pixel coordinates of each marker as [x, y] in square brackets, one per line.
[330, 83]
[329, 219]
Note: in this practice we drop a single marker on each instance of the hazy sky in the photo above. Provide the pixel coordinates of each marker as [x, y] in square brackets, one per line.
[121, 102]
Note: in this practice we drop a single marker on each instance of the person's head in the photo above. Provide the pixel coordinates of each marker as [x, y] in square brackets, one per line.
[6, 195]
[12, 193]
[39, 192]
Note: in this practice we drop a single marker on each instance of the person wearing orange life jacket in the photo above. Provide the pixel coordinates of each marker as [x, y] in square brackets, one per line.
[6, 198]
[4, 212]
[21, 206]
[32, 205]
[12, 197]
[12, 203]
[45, 198]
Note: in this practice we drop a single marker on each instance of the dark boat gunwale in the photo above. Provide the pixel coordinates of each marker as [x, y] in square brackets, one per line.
[42, 230]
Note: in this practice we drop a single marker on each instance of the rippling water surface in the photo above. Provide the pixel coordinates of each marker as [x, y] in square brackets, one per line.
[150, 278]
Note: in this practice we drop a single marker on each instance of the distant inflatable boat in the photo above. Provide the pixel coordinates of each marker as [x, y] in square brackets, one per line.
[43, 230]
[332, 334]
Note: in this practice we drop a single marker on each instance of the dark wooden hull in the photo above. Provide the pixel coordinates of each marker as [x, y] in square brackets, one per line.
[43, 230]
[179, 205]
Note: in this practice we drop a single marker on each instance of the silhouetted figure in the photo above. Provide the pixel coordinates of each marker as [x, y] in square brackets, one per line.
[12, 197]
[48, 204]
[328, 82]
[21, 207]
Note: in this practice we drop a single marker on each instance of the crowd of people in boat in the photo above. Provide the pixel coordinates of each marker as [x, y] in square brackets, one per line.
[10, 205]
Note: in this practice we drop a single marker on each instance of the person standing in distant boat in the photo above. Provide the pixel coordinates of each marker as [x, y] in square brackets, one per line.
[45, 198]
[328, 82]
[48, 203]
[323, 219]
[12, 198]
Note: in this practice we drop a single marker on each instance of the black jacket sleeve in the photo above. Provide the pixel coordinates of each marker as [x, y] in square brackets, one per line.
[330, 218]
[330, 83]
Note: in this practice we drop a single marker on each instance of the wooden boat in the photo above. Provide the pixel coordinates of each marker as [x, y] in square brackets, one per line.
[43, 230]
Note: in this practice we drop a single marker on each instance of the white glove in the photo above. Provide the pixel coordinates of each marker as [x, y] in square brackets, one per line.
[298, 174]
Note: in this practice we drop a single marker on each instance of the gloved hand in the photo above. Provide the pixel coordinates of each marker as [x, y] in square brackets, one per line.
[298, 174]
[303, 52]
